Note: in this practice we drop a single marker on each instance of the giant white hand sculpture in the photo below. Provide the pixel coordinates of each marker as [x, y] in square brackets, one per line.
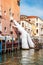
[26, 39]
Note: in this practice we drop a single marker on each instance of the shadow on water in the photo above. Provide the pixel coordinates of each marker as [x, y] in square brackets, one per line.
[23, 57]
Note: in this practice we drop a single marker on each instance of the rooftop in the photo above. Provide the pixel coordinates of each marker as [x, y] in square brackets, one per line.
[32, 16]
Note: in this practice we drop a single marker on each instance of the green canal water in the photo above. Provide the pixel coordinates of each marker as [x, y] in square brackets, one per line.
[23, 57]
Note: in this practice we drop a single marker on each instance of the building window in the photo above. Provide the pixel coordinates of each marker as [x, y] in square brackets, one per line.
[22, 24]
[5, 29]
[28, 29]
[10, 24]
[11, 20]
[41, 29]
[4, 12]
[11, 32]
[10, 28]
[10, 12]
[37, 24]
[18, 2]
[19, 23]
[29, 20]
[37, 31]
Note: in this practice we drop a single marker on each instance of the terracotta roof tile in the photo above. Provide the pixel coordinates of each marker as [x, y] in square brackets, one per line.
[32, 16]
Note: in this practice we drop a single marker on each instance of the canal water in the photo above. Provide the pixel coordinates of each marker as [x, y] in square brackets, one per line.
[23, 57]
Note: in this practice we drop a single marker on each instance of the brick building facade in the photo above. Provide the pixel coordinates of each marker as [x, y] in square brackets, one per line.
[8, 9]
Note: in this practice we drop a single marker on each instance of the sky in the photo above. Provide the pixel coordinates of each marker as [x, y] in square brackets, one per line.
[31, 8]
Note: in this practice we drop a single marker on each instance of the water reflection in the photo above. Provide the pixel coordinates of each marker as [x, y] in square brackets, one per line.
[32, 57]
[27, 57]
[0, 58]
[24, 57]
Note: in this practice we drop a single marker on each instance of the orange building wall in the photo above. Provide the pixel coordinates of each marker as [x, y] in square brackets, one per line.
[5, 20]
[7, 4]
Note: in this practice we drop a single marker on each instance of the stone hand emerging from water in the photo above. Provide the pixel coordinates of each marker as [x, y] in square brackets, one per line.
[26, 39]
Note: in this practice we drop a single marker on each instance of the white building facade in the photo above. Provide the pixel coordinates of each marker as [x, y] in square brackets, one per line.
[34, 25]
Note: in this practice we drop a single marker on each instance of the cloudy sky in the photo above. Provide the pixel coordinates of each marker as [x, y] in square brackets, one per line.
[31, 7]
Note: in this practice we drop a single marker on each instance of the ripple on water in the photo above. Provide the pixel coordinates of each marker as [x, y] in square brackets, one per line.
[24, 57]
